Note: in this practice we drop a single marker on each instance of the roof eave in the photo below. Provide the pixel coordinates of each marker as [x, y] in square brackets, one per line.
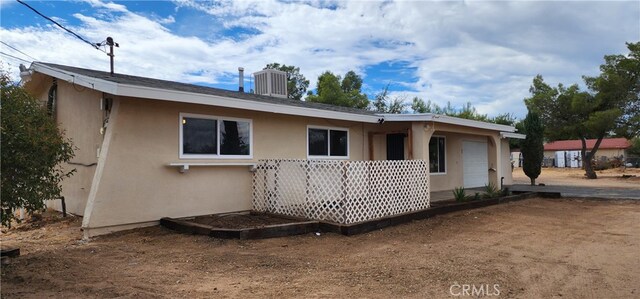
[512, 135]
[448, 120]
[128, 90]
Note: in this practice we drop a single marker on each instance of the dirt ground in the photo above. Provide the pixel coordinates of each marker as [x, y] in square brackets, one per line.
[240, 221]
[534, 248]
[575, 177]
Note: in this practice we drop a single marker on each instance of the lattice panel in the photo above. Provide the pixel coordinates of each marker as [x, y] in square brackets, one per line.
[340, 191]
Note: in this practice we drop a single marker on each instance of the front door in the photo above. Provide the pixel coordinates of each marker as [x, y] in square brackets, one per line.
[395, 146]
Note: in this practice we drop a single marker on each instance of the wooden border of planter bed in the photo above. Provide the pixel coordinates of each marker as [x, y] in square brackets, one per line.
[262, 232]
[301, 226]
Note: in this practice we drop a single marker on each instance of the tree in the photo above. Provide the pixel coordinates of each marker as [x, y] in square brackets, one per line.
[504, 119]
[532, 147]
[32, 150]
[634, 150]
[334, 90]
[419, 106]
[612, 106]
[297, 84]
[470, 112]
[383, 103]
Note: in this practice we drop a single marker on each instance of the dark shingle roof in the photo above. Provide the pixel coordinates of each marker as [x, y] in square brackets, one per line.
[171, 85]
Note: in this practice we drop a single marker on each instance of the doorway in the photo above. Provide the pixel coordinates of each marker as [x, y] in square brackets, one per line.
[395, 146]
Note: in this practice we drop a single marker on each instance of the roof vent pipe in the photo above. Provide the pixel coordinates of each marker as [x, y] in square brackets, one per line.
[241, 79]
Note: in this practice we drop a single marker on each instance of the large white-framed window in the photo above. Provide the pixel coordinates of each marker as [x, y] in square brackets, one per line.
[437, 155]
[327, 143]
[215, 137]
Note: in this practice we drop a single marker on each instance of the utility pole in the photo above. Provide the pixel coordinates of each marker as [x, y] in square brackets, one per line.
[109, 42]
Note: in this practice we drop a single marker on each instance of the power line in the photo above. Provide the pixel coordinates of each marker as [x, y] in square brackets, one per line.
[14, 57]
[74, 34]
[23, 53]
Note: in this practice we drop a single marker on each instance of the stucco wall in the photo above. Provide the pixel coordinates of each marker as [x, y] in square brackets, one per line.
[454, 171]
[379, 138]
[507, 172]
[137, 185]
[454, 136]
[78, 114]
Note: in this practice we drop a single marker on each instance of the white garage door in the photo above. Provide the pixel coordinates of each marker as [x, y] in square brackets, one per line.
[475, 164]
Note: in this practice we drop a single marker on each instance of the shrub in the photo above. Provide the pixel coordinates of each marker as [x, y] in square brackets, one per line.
[459, 194]
[32, 150]
[490, 190]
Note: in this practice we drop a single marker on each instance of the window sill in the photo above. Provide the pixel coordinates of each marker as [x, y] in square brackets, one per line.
[184, 167]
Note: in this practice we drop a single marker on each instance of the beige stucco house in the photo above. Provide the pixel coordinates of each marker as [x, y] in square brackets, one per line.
[149, 148]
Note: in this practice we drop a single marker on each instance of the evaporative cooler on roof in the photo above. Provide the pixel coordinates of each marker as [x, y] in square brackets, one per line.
[271, 82]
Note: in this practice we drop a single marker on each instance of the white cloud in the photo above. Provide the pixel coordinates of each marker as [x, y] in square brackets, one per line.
[483, 52]
[167, 20]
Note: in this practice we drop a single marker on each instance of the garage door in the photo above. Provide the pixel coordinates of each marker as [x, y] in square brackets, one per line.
[475, 164]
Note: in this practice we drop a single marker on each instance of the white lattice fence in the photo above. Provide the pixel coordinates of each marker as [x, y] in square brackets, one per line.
[340, 191]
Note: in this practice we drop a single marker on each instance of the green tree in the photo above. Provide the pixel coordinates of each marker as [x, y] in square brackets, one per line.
[383, 103]
[398, 105]
[634, 150]
[334, 90]
[532, 147]
[297, 84]
[612, 106]
[507, 119]
[470, 112]
[32, 150]
[419, 106]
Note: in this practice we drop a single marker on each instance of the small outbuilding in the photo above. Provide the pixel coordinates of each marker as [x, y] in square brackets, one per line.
[567, 153]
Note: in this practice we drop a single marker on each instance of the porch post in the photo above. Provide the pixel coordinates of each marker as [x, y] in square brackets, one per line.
[498, 143]
[420, 133]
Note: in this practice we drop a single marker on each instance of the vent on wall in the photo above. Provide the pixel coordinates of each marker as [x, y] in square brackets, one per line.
[271, 82]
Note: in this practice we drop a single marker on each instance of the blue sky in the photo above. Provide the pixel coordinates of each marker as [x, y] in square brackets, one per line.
[483, 52]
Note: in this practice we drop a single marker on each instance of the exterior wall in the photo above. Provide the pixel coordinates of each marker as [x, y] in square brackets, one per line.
[137, 186]
[454, 136]
[507, 171]
[379, 138]
[79, 116]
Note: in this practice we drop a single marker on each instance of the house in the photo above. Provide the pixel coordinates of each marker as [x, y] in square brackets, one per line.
[567, 153]
[149, 148]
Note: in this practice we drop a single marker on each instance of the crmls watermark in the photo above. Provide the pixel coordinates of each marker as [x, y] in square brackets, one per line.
[474, 290]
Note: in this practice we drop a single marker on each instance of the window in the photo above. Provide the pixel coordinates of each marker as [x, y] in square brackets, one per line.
[327, 142]
[203, 136]
[437, 155]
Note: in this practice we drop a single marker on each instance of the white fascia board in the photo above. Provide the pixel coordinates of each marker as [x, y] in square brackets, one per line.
[77, 79]
[407, 117]
[448, 120]
[512, 135]
[196, 98]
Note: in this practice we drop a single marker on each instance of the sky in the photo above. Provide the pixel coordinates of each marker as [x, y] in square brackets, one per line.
[483, 52]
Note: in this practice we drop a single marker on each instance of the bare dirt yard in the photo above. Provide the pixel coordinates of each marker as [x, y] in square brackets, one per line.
[617, 177]
[535, 248]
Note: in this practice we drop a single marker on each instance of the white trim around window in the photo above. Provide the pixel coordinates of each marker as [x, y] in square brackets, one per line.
[219, 120]
[445, 155]
[328, 156]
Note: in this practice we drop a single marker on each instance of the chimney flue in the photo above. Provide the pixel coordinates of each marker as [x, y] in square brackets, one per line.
[241, 79]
